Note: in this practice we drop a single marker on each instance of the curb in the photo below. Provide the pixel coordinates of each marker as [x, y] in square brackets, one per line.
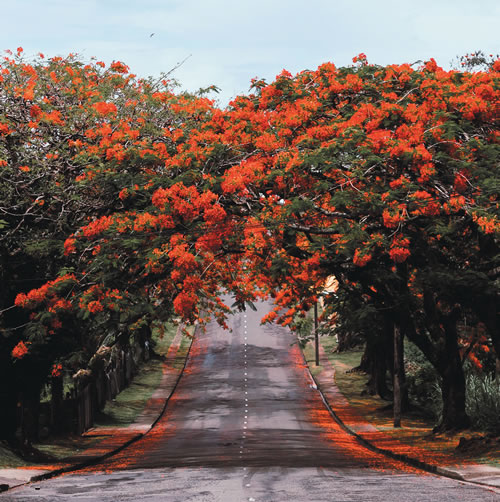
[105, 456]
[420, 464]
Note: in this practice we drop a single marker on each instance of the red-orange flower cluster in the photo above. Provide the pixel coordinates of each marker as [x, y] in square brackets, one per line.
[20, 350]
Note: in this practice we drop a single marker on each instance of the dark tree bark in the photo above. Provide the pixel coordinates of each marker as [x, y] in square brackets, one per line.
[57, 411]
[316, 335]
[375, 363]
[31, 414]
[453, 381]
[347, 341]
[8, 415]
[398, 385]
[443, 352]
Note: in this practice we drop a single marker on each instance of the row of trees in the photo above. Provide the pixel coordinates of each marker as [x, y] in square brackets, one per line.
[79, 145]
[124, 204]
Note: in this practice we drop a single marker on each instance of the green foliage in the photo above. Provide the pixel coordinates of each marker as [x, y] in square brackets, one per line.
[424, 389]
[304, 327]
[483, 400]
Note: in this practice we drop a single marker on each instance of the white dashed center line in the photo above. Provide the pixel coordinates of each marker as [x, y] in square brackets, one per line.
[245, 413]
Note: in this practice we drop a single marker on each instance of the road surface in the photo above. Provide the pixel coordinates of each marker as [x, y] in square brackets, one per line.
[246, 424]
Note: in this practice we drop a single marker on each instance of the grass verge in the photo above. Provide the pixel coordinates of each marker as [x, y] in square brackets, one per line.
[8, 459]
[129, 403]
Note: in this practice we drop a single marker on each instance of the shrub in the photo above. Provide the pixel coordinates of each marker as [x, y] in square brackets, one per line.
[483, 400]
[424, 389]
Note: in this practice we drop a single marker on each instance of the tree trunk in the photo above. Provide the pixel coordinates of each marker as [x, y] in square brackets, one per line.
[348, 341]
[398, 375]
[316, 334]
[374, 362]
[453, 391]
[453, 382]
[31, 415]
[57, 417]
[8, 415]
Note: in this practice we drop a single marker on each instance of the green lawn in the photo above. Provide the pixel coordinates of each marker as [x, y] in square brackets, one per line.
[9, 459]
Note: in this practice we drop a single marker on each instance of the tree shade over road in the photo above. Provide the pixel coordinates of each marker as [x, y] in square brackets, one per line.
[246, 425]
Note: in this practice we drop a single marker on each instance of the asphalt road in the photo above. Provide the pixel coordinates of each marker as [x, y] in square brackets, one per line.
[245, 424]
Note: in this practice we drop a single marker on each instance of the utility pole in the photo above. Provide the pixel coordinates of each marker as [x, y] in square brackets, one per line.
[316, 334]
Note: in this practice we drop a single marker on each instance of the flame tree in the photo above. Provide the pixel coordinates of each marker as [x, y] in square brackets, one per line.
[385, 177]
[107, 221]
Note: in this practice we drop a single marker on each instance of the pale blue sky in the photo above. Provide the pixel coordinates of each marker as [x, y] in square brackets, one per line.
[230, 42]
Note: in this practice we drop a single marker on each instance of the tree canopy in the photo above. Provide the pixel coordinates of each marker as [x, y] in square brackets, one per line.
[125, 203]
